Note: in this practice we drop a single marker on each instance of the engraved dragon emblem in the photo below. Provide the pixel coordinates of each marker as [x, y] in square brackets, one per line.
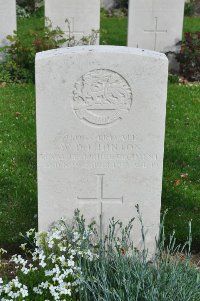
[100, 96]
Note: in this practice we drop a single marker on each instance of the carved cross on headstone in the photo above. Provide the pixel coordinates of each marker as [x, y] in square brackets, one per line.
[70, 22]
[99, 200]
[156, 31]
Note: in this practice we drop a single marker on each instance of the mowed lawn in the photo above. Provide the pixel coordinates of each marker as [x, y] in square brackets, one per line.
[181, 180]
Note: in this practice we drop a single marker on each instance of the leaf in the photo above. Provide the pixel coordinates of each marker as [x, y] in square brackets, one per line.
[177, 182]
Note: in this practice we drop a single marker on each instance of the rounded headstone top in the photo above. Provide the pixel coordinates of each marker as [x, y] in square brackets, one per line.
[100, 49]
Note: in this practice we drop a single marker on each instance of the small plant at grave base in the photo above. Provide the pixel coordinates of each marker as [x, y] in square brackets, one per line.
[173, 78]
[49, 38]
[70, 39]
[50, 270]
[74, 263]
[123, 273]
[189, 57]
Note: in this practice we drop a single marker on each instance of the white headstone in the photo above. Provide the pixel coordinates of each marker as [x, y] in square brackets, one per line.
[83, 16]
[155, 24]
[8, 21]
[108, 4]
[100, 134]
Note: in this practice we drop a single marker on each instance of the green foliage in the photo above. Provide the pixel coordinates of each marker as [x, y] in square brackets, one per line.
[189, 8]
[50, 268]
[22, 13]
[5, 76]
[121, 272]
[122, 3]
[28, 5]
[74, 263]
[19, 64]
[173, 78]
[20, 58]
[189, 57]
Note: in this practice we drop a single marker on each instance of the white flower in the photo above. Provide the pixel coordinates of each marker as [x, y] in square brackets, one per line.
[51, 244]
[37, 291]
[62, 259]
[76, 236]
[24, 291]
[25, 270]
[23, 246]
[2, 251]
[30, 232]
[70, 263]
[62, 248]
[44, 284]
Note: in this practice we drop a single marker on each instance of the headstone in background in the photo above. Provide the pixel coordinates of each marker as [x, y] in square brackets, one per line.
[39, 3]
[82, 15]
[8, 22]
[100, 135]
[108, 4]
[155, 24]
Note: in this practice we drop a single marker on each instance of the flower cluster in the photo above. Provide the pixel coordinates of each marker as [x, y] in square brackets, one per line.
[52, 267]
[13, 290]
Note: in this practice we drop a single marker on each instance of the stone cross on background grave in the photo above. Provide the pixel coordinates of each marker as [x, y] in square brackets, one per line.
[155, 24]
[156, 31]
[8, 22]
[83, 16]
[77, 34]
[101, 123]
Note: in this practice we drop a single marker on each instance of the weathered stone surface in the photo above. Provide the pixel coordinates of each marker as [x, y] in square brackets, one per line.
[8, 21]
[100, 135]
[83, 16]
[108, 4]
[155, 24]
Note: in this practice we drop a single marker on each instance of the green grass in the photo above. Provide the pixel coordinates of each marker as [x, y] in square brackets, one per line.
[27, 27]
[191, 24]
[182, 156]
[18, 193]
[114, 31]
[18, 206]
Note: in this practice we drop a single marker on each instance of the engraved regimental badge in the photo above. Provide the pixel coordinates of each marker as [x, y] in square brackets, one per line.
[101, 97]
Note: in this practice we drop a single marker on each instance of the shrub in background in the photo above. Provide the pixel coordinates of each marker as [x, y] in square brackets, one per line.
[122, 3]
[30, 5]
[19, 65]
[22, 13]
[20, 59]
[19, 62]
[189, 57]
[189, 7]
